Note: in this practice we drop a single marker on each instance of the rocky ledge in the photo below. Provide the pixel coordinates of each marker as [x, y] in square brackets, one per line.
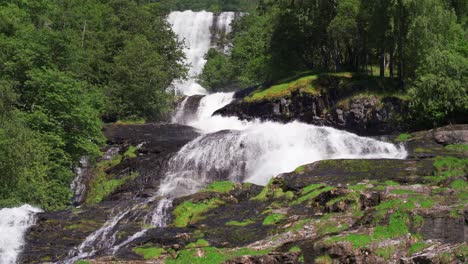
[332, 211]
[338, 102]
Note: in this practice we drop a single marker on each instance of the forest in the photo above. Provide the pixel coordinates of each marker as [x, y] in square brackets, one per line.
[420, 44]
[67, 67]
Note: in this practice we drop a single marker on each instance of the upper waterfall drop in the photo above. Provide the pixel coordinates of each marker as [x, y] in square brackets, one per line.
[13, 224]
[196, 29]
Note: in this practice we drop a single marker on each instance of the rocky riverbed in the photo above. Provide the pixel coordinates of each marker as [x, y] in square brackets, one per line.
[331, 211]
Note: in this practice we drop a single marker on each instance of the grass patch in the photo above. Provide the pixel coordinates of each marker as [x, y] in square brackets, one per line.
[312, 191]
[459, 184]
[385, 252]
[273, 191]
[134, 121]
[103, 184]
[403, 137]
[243, 223]
[272, 219]
[417, 247]
[358, 240]
[149, 253]
[303, 84]
[211, 255]
[300, 169]
[220, 186]
[295, 249]
[323, 260]
[189, 213]
[457, 147]
[131, 152]
[81, 262]
[198, 244]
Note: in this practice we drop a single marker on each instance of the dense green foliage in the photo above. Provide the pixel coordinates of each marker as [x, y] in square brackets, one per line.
[65, 65]
[210, 5]
[422, 44]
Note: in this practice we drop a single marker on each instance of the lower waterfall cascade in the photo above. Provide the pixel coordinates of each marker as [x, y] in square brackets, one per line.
[13, 224]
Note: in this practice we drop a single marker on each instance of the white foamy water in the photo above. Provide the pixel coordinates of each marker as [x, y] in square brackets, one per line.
[194, 28]
[13, 224]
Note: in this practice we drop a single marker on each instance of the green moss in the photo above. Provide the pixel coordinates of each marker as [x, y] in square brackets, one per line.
[295, 249]
[447, 167]
[358, 187]
[273, 191]
[417, 247]
[459, 185]
[149, 252]
[199, 243]
[81, 262]
[236, 223]
[312, 194]
[273, 219]
[358, 240]
[418, 221]
[304, 84]
[299, 225]
[312, 187]
[220, 186]
[130, 122]
[385, 252]
[73, 227]
[323, 260]
[189, 213]
[403, 137]
[211, 255]
[457, 147]
[300, 169]
[101, 186]
[461, 253]
[328, 227]
[391, 183]
[131, 152]
[384, 207]
[397, 227]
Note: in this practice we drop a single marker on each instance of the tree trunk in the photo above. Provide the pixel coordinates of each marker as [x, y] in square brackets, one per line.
[382, 63]
[391, 66]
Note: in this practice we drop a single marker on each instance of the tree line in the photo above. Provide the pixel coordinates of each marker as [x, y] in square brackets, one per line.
[65, 66]
[421, 43]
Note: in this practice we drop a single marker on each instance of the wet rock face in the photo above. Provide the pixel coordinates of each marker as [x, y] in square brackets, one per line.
[363, 116]
[156, 144]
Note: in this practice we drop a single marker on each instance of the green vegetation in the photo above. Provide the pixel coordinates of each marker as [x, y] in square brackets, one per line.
[149, 252]
[417, 247]
[243, 223]
[81, 262]
[64, 67]
[457, 147]
[189, 212]
[221, 186]
[199, 243]
[304, 85]
[323, 260]
[273, 191]
[419, 46]
[273, 219]
[312, 192]
[210, 5]
[131, 152]
[385, 252]
[104, 183]
[211, 255]
[300, 169]
[403, 137]
[295, 249]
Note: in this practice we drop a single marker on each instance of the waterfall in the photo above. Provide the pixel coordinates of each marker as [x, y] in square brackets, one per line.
[13, 224]
[195, 30]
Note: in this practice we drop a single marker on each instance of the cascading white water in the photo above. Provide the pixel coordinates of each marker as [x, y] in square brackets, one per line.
[262, 151]
[194, 29]
[13, 224]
